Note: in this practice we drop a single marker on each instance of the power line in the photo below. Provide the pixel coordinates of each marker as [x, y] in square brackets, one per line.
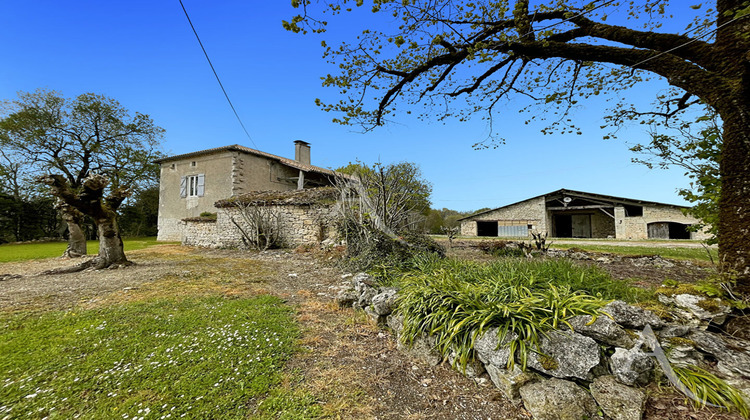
[216, 74]
[686, 43]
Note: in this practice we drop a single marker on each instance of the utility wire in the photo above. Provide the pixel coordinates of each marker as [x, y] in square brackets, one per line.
[216, 74]
[712, 31]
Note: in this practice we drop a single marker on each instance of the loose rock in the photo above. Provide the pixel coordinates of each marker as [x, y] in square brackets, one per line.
[632, 366]
[603, 329]
[630, 316]
[557, 399]
[565, 354]
[618, 401]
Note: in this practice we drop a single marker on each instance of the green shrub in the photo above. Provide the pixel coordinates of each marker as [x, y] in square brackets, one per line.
[708, 388]
[456, 301]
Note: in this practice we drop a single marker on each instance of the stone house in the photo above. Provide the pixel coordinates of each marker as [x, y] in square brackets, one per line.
[191, 183]
[576, 214]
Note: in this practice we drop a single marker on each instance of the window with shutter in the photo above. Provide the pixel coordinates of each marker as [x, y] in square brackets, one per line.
[194, 185]
[183, 187]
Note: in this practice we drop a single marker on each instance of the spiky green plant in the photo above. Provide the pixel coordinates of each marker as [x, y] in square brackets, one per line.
[709, 388]
[457, 301]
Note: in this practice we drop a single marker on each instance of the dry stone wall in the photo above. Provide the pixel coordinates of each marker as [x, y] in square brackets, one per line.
[595, 365]
[300, 225]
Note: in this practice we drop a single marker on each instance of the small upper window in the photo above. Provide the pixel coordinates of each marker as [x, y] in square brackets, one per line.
[633, 211]
[171, 166]
[192, 163]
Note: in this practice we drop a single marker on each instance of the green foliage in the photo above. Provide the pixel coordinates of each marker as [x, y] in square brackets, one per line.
[370, 249]
[202, 358]
[397, 194]
[711, 389]
[437, 221]
[139, 216]
[695, 147]
[40, 250]
[456, 301]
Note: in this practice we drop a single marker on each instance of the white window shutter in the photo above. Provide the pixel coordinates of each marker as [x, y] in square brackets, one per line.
[201, 184]
[183, 187]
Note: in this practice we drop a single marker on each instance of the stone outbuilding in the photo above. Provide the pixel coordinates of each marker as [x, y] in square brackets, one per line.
[191, 183]
[577, 214]
[303, 217]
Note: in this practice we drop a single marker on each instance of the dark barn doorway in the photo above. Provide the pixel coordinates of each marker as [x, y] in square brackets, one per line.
[668, 230]
[486, 228]
[563, 226]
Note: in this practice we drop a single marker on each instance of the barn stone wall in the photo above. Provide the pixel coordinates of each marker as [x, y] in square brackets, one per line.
[300, 225]
[636, 227]
[530, 212]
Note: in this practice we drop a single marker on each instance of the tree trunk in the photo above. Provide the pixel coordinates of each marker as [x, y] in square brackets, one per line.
[111, 251]
[734, 203]
[76, 236]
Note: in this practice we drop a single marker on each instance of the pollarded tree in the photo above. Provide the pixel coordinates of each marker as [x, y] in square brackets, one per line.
[555, 53]
[91, 151]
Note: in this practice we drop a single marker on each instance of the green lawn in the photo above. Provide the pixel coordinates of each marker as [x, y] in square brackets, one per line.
[35, 251]
[200, 357]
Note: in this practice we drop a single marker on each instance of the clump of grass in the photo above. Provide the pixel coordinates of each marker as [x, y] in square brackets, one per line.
[456, 301]
[204, 357]
[710, 389]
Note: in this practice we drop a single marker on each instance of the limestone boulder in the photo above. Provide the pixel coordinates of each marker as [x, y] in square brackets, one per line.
[365, 287]
[383, 303]
[631, 366]
[703, 308]
[395, 322]
[565, 354]
[491, 350]
[603, 329]
[557, 399]
[423, 349]
[510, 381]
[473, 368]
[630, 316]
[733, 356]
[618, 401]
[345, 298]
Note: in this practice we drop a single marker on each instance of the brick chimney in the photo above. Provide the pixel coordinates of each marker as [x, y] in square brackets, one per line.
[302, 152]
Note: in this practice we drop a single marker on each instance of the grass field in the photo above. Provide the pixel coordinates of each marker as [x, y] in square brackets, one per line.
[165, 358]
[34, 251]
[200, 342]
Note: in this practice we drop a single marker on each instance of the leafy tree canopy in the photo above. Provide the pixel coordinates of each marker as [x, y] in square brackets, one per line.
[462, 57]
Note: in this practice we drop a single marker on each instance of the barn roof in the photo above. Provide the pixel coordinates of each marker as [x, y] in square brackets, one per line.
[581, 194]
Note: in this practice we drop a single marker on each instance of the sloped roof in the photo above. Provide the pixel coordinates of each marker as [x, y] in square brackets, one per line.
[305, 197]
[581, 194]
[237, 148]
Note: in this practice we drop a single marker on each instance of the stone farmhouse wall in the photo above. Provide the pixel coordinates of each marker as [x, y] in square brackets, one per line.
[637, 227]
[300, 225]
[524, 213]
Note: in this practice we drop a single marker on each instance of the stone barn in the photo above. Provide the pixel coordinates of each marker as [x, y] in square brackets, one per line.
[576, 214]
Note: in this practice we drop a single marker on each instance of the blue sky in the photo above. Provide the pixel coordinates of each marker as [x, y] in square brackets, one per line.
[144, 54]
